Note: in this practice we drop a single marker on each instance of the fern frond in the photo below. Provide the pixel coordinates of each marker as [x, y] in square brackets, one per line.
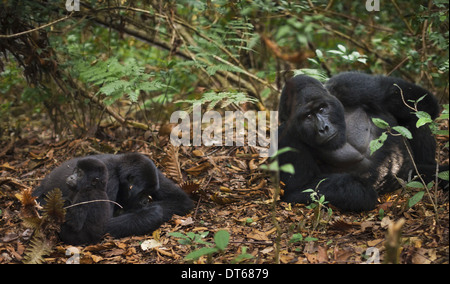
[36, 251]
[225, 98]
[53, 210]
[28, 211]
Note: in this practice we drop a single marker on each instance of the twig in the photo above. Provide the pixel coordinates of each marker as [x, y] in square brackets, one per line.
[403, 99]
[36, 29]
[92, 201]
[412, 156]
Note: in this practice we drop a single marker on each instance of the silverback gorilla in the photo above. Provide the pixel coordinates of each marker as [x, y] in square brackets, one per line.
[330, 127]
[131, 180]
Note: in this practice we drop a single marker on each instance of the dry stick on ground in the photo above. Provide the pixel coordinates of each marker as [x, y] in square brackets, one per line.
[394, 241]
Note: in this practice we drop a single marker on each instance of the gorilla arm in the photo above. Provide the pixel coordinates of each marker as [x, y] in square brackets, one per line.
[168, 200]
[346, 191]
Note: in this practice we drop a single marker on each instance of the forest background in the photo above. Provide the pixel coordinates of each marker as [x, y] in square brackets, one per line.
[106, 78]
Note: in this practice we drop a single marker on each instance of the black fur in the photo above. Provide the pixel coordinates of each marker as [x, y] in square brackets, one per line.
[330, 127]
[132, 178]
[86, 223]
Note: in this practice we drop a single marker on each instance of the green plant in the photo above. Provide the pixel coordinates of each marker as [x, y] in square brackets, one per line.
[211, 99]
[190, 238]
[221, 240]
[243, 256]
[424, 120]
[116, 80]
[299, 238]
[318, 202]
[274, 170]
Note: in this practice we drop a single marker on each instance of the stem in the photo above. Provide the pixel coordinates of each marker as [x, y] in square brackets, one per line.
[92, 201]
[276, 182]
[419, 175]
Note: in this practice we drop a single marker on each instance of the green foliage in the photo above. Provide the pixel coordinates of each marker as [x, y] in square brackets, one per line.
[221, 240]
[212, 99]
[376, 144]
[190, 238]
[444, 175]
[415, 199]
[116, 80]
[315, 73]
[318, 202]
[154, 54]
[274, 167]
[348, 57]
[243, 256]
[299, 238]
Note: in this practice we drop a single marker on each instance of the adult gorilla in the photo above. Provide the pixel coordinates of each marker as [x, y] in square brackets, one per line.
[331, 129]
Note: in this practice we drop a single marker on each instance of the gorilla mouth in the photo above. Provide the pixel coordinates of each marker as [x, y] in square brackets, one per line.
[329, 138]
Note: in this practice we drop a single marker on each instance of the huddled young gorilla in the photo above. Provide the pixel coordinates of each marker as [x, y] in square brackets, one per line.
[132, 180]
[88, 214]
[330, 127]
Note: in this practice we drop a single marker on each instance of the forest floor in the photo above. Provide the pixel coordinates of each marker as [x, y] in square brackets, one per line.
[233, 195]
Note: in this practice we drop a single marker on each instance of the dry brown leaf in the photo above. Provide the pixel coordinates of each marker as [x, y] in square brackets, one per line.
[340, 225]
[196, 170]
[257, 235]
[190, 187]
[198, 153]
[322, 255]
[172, 164]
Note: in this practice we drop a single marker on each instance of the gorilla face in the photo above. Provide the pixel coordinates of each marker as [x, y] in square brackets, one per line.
[89, 173]
[314, 116]
[321, 124]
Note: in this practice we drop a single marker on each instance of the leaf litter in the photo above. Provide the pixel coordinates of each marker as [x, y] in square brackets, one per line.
[230, 193]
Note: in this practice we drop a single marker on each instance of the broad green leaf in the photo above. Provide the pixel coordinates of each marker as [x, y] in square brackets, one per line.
[403, 131]
[296, 238]
[415, 184]
[221, 238]
[288, 168]
[284, 150]
[424, 118]
[380, 123]
[201, 252]
[443, 175]
[415, 199]
[376, 144]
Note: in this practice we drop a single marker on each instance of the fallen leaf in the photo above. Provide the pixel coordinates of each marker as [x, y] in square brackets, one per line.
[96, 258]
[322, 255]
[257, 235]
[374, 243]
[385, 222]
[150, 244]
[367, 224]
[198, 153]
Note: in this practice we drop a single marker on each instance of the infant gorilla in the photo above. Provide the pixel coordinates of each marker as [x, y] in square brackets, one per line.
[89, 210]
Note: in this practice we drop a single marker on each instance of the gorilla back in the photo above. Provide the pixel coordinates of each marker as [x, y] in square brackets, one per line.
[132, 179]
[330, 128]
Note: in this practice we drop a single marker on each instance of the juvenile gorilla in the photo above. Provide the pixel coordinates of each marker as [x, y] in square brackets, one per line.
[331, 128]
[132, 180]
[86, 223]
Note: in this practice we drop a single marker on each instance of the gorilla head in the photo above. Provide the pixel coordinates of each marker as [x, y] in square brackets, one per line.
[318, 117]
[89, 173]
